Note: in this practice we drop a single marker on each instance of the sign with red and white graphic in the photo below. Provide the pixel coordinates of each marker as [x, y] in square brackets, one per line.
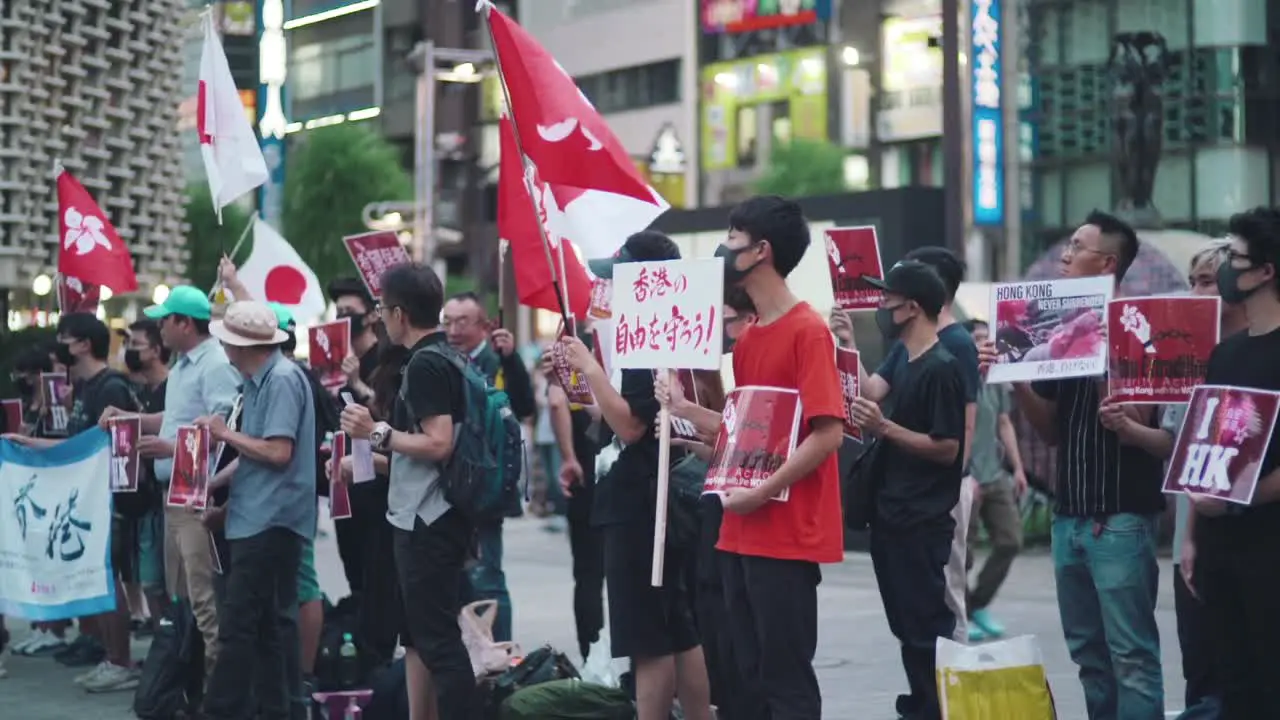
[189, 485]
[574, 383]
[75, 296]
[125, 432]
[758, 432]
[668, 314]
[89, 248]
[328, 345]
[275, 272]
[847, 364]
[13, 415]
[56, 399]
[601, 299]
[339, 492]
[1050, 329]
[853, 254]
[1160, 346]
[1222, 443]
[373, 254]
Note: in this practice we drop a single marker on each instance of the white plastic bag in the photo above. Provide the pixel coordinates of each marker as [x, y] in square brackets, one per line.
[994, 681]
[601, 668]
[487, 656]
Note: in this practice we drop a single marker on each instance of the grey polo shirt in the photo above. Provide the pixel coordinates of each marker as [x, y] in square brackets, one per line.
[277, 404]
[202, 382]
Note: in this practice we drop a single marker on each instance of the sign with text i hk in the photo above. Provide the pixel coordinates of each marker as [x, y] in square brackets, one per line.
[1222, 443]
[668, 314]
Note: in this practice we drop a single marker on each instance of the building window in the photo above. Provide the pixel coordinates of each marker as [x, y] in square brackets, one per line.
[633, 88]
[332, 67]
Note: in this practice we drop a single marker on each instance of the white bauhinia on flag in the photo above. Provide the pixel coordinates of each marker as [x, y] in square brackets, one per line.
[232, 156]
[274, 272]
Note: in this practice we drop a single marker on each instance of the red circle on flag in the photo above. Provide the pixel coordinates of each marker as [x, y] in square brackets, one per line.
[285, 285]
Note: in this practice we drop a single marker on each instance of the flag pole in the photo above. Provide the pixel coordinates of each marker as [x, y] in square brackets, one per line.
[502, 277]
[244, 234]
[484, 7]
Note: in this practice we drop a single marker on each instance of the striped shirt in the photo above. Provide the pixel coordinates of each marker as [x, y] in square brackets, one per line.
[1097, 475]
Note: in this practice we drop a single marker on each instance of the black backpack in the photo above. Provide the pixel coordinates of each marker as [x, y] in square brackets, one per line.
[339, 620]
[540, 666]
[172, 679]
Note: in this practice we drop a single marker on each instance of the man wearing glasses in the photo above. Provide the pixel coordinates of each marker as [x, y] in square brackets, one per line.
[493, 352]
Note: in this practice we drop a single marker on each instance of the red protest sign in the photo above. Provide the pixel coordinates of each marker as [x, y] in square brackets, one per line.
[852, 253]
[339, 492]
[189, 485]
[574, 383]
[328, 344]
[13, 415]
[1223, 439]
[758, 432]
[56, 398]
[75, 296]
[1159, 347]
[668, 314]
[847, 364]
[373, 254]
[125, 432]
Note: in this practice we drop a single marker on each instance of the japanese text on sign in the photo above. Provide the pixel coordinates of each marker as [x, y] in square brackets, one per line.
[668, 314]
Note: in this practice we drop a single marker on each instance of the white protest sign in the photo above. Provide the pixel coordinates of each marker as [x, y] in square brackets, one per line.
[668, 315]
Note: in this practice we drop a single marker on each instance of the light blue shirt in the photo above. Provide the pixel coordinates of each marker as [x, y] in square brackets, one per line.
[277, 404]
[202, 382]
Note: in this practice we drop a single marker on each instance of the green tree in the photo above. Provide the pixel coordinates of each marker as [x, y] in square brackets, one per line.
[803, 168]
[207, 240]
[332, 173]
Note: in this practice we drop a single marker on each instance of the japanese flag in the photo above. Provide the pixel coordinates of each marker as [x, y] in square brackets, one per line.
[275, 272]
[232, 157]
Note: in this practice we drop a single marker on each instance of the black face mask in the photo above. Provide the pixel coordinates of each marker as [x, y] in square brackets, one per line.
[728, 344]
[1229, 283]
[63, 351]
[732, 275]
[357, 323]
[133, 360]
[884, 321]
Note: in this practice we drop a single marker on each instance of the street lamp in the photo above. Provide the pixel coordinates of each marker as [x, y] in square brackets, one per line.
[41, 285]
[462, 67]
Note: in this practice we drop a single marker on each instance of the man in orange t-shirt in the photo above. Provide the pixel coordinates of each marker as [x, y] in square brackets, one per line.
[771, 550]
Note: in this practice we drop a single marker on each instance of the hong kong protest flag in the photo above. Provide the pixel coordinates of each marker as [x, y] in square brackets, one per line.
[559, 129]
[233, 159]
[89, 248]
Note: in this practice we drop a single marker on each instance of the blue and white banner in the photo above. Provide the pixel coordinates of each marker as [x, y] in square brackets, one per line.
[55, 529]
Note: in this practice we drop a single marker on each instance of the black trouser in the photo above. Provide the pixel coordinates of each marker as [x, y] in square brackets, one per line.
[1238, 578]
[1195, 641]
[368, 510]
[257, 628]
[910, 568]
[429, 566]
[586, 545]
[772, 612]
[709, 613]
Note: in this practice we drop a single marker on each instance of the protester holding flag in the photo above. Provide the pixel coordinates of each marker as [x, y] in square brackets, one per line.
[772, 550]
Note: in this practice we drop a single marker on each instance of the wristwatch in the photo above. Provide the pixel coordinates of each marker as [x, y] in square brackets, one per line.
[380, 435]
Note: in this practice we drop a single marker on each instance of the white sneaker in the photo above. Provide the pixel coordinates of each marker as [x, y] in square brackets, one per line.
[112, 678]
[92, 673]
[42, 642]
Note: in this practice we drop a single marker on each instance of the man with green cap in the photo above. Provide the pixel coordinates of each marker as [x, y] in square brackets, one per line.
[201, 383]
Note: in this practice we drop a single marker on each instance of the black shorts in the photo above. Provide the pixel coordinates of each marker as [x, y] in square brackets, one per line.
[646, 621]
[124, 548]
[428, 564]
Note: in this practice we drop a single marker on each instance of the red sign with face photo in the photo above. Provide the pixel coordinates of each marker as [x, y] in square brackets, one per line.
[328, 344]
[1222, 443]
[758, 433]
[1159, 346]
[851, 254]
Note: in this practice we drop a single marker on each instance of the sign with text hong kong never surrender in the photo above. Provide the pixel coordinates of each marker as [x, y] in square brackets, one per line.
[668, 315]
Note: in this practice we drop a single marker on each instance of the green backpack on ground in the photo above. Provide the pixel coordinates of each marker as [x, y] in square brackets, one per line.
[568, 700]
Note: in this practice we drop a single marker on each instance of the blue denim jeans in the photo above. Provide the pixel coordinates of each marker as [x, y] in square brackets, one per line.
[1107, 580]
[487, 580]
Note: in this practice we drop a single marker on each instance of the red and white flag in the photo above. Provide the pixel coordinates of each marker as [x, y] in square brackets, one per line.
[233, 159]
[274, 272]
[89, 248]
[560, 131]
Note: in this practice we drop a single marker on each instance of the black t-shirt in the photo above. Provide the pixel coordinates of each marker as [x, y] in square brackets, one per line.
[92, 396]
[1246, 361]
[927, 395]
[1097, 474]
[626, 494]
[432, 386]
[368, 363]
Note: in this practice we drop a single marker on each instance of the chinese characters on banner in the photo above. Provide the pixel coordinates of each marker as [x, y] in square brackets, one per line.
[574, 383]
[847, 364]
[373, 254]
[13, 415]
[668, 314]
[125, 432]
[601, 299]
[758, 433]
[55, 527]
[1051, 329]
[56, 398]
[852, 253]
[189, 486]
[1159, 347]
[328, 344]
[339, 492]
[1222, 443]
